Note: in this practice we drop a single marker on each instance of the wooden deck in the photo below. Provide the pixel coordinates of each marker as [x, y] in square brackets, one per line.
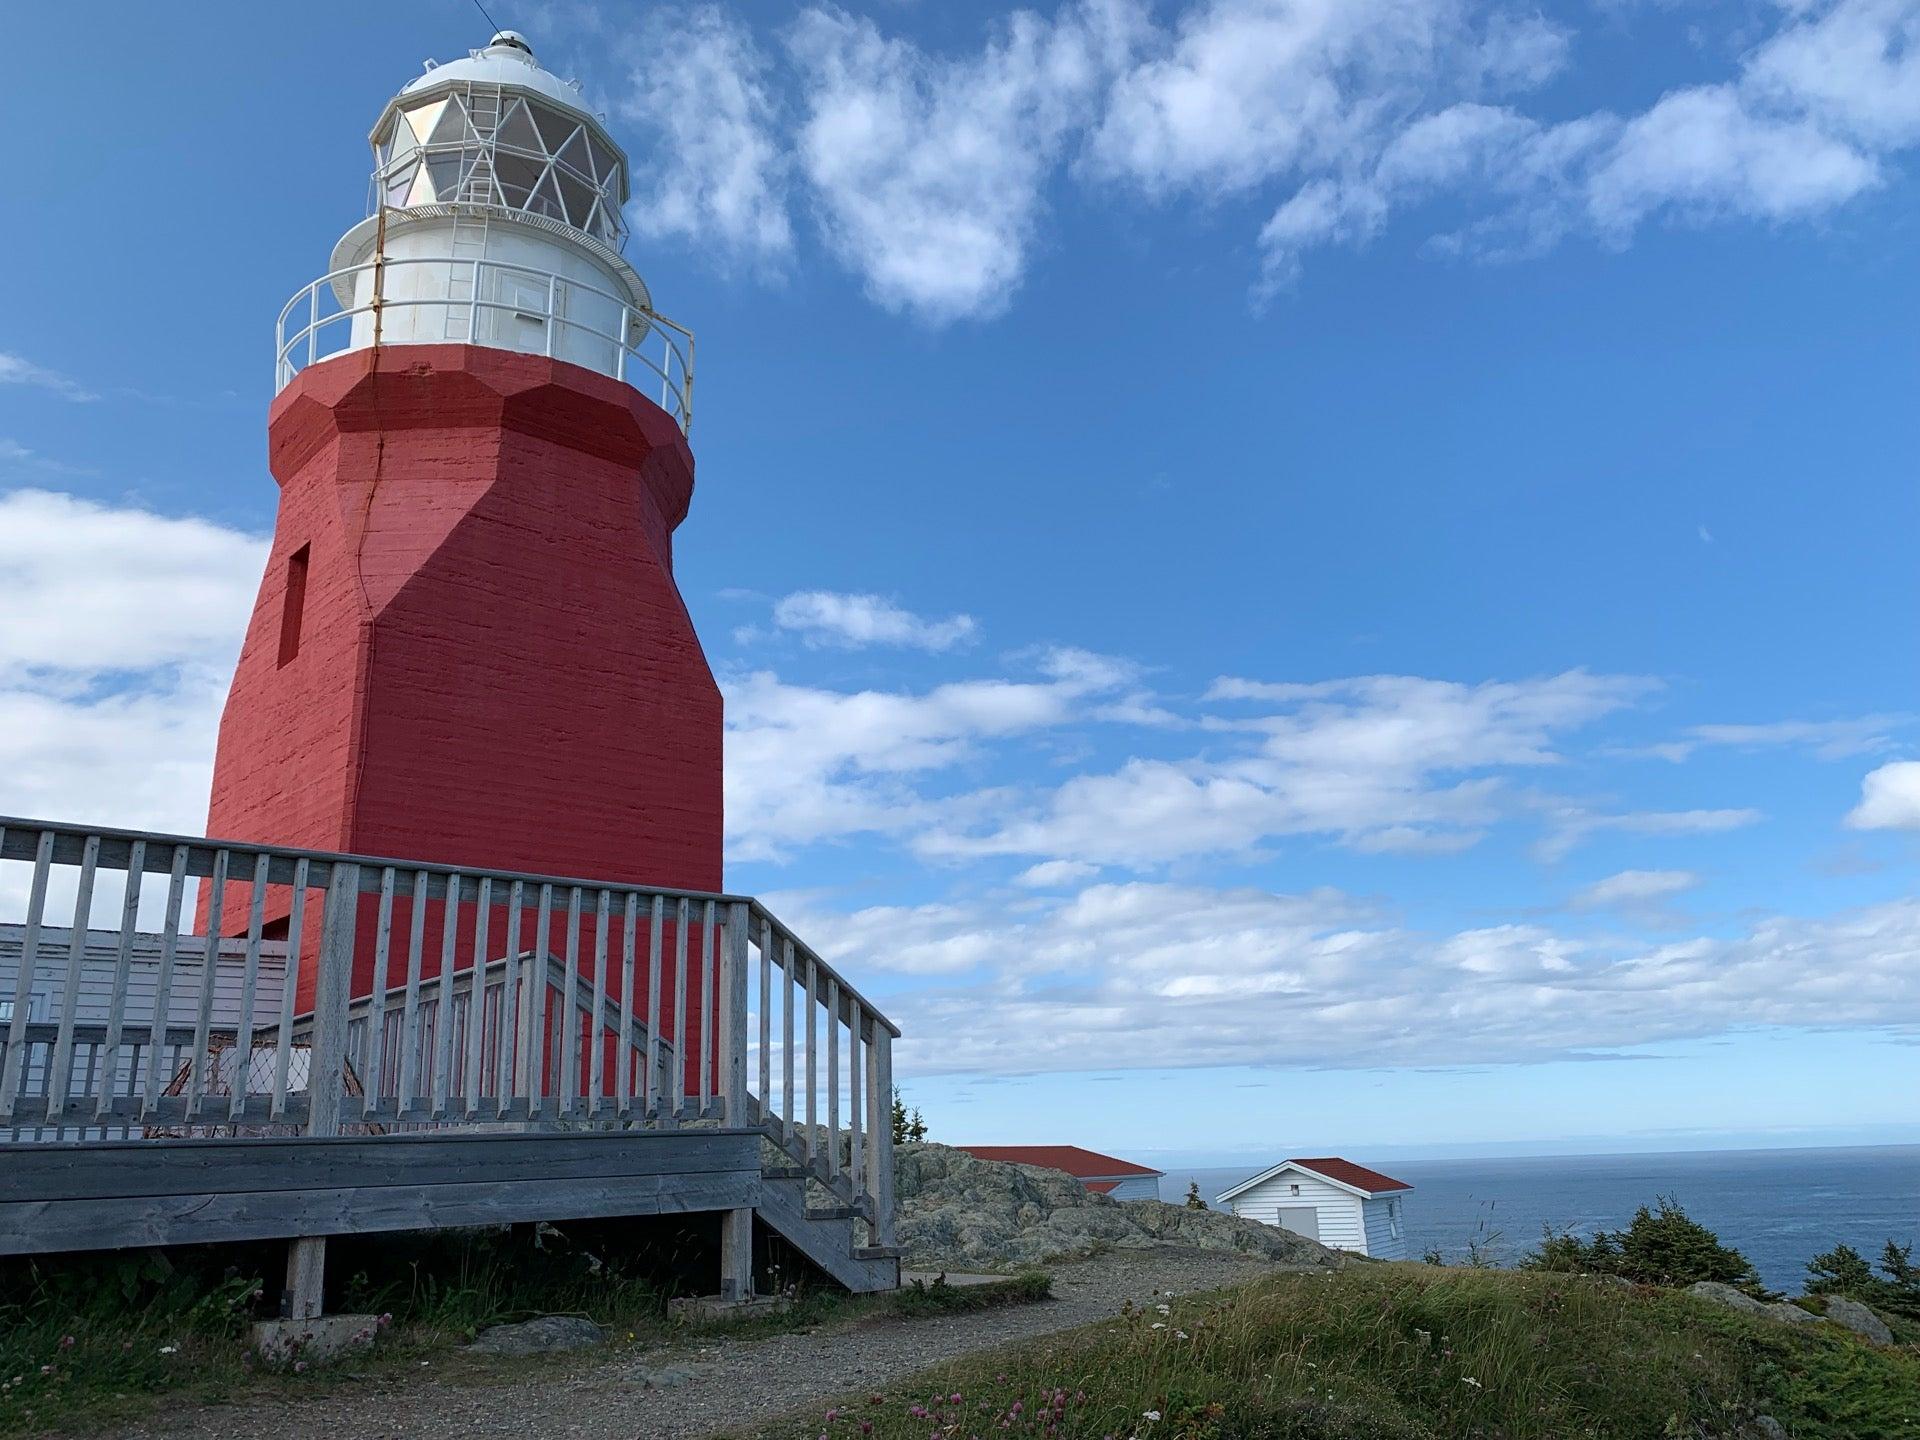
[332, 1072]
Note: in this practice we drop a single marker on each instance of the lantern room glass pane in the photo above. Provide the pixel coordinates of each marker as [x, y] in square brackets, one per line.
[421, 121]
[399, 182]
[517, 131]
[579, 197]
[452, 128]
[518, 174]
[446, 176]
[605, 167]
[545, 199]
[573, 154]
[554, 127]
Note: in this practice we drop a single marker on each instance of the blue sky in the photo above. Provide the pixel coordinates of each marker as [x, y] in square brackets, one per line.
[1289, 576]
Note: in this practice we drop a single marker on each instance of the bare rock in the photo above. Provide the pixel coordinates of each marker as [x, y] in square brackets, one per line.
[543, 1335]
[1856, 1317]
[957, 1209]
[1720, 1294]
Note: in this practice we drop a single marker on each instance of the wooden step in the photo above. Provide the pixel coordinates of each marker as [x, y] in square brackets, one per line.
[784, 1172]
[831, 1212]
[877, 1252]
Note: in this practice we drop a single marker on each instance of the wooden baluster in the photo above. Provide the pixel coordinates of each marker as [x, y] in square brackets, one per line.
[813, 1062]
[654, 1106]
[249, 986]
[511, 998]
[410, 1013]
[625, 1080]
[677, 1084]
[376, 1067]
[856, 1086]
[443, 1006]
[199, 1080]
[766, 1020]
[833, 1076]
[569, 1009]
[538, 987]
[163, 981]
[597, 1022]
[709, 953]
[60, 1063]
[290, 985]
[880, 1177]
[13, 1073]
[733, 1022]
[477, 996]
[122, 977]
[788, 1110]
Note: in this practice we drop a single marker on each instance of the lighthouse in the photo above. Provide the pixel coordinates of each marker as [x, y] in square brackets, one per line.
[468, 644]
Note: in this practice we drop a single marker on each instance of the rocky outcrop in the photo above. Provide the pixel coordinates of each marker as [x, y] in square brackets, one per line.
[1777, 1310]
[954, 1209]
[1854, 1316]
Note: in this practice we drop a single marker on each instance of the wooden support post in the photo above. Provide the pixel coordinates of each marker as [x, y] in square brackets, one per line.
[306, 1279]
[736, 1254]
[307, 1256]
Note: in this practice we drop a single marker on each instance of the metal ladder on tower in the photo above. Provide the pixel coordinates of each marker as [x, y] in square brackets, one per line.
[475, 198]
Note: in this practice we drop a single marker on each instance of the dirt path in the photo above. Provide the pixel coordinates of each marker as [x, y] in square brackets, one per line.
[698, 1389]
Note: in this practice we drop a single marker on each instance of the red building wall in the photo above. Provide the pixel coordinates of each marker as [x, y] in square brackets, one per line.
[490, 664]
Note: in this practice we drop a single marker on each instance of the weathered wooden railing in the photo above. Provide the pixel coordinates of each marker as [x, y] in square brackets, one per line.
[342, 998]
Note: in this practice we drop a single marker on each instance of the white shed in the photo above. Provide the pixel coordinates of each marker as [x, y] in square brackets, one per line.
[1340, 1204]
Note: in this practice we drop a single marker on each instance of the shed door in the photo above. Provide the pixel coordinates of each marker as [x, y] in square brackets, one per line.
[1301, 1220]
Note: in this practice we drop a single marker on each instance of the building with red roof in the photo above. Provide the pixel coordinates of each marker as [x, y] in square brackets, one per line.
[1102, 1174]
[1340, 1204]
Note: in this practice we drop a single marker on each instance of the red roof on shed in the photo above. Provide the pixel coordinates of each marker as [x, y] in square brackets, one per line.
[1081, 1164]
[1348, 1173]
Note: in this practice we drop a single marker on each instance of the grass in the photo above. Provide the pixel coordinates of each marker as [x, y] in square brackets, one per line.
[92, 1340]
[1388, 1352]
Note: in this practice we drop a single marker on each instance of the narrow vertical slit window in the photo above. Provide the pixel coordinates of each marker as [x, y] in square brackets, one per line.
[295, 603]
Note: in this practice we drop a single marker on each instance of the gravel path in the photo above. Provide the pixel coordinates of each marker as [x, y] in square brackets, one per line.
[716, 1385]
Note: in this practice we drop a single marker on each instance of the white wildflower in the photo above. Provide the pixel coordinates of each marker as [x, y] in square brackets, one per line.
[1164, 1309]
[168, 1349]
[1469, 1380]
[1150, 1415]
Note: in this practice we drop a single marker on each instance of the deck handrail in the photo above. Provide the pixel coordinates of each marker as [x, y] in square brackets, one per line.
[308, 327]
[600, 1003]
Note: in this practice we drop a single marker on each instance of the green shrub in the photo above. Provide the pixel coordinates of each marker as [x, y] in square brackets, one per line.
[1662, 1246]
[1845, 1271]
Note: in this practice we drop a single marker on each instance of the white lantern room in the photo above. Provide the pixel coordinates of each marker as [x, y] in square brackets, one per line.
[494, 219]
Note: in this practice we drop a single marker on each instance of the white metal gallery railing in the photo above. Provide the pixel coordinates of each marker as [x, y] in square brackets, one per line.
[572, 320]
[344, 998]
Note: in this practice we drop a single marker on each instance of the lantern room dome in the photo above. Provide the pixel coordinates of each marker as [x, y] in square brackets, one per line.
[496, 130]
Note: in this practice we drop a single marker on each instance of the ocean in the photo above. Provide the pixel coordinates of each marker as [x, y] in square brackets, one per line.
[1779, 1207]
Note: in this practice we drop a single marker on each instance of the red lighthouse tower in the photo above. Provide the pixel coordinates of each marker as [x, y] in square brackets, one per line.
[468, 646]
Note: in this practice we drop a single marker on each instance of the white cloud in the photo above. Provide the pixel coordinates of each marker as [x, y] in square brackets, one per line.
[1573, 825]
[1148, 974]
[1381, 763]
[806, 764]
[1827, 739]
[1243, 91]
[1645, 894]
[115, 650]
[700, 90]
[1802, 128]
[826, 617]
[927, 171]
[1889, 798]
[1055, 874]
[17, 370]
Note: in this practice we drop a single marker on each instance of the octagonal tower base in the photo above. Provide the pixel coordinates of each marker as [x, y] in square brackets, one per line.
[468, 646]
